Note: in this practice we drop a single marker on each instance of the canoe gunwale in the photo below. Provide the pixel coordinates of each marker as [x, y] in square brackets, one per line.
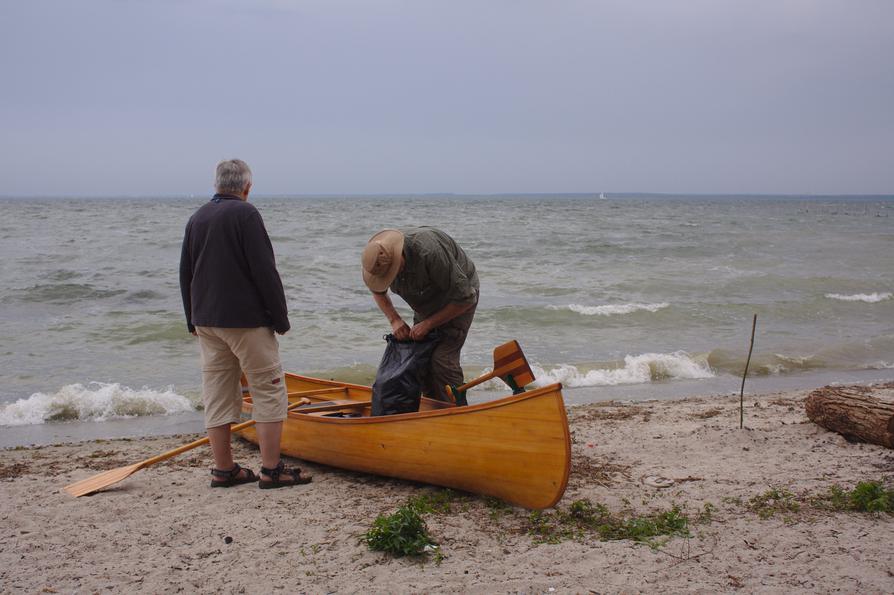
[496, 403]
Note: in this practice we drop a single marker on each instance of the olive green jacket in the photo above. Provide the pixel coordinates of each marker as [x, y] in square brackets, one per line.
[436, 272]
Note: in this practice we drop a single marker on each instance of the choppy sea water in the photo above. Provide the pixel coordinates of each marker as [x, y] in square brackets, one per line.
[628, 297]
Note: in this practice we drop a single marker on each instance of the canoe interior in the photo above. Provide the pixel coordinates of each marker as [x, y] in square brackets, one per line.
[324, 391]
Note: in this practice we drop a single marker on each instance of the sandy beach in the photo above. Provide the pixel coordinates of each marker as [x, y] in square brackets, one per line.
[163, 530]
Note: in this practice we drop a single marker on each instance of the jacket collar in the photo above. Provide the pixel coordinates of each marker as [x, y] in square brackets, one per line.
[220, 197]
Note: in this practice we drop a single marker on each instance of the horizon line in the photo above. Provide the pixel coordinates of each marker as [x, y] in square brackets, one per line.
[594, 194]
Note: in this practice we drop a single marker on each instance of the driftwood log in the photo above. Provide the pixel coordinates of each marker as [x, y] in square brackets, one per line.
[859, 413]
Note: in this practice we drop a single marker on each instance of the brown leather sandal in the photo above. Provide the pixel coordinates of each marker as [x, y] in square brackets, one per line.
[228, 479]
[292, 477]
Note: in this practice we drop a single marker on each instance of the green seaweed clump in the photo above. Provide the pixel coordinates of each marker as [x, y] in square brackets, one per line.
[867, 496]
[774, 500]
[871, 496]
[403, 533]
[439, 501]
[584, 517]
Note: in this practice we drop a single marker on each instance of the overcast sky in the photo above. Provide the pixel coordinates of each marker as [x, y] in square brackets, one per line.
[487, 96]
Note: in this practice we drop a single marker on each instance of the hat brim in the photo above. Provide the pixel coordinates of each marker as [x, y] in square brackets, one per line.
[393, 241]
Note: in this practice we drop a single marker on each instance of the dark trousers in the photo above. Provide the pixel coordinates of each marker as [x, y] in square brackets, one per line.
[444, 368]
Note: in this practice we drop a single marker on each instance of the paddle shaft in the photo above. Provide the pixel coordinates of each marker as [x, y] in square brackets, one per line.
[510, 365]
[181, 449]
[478, 380]
[499, 370]
[107, 478]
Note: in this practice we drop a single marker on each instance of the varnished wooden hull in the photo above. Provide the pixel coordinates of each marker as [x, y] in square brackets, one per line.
[516, 448]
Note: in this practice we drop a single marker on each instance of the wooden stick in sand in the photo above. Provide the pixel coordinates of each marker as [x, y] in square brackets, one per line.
[744, 374]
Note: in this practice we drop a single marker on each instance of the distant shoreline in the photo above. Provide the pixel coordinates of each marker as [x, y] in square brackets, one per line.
[718, 196]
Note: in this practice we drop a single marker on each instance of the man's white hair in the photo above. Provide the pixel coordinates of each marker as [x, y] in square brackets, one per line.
[233, 176]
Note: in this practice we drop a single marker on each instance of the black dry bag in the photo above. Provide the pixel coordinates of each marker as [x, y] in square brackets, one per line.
[398, 384]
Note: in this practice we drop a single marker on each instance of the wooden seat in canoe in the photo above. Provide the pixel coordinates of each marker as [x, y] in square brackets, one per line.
[336, 405]
[316, 392]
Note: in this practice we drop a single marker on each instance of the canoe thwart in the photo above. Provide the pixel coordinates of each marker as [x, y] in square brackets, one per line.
[319, 391]
[331, 406]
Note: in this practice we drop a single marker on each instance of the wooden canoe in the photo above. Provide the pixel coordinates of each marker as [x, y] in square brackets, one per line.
[516, 448]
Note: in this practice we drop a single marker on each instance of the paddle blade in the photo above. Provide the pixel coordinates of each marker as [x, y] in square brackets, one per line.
[101, 480]
[510, 360]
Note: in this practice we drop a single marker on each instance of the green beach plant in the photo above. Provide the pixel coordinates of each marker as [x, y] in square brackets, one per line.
[584, 517]
[438, 501]
[497, 507]
[773, 501]
[403, 533]
[867, 496]
[871, 496]
[646, 528]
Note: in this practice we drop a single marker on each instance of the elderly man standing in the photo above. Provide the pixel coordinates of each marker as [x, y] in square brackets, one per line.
[234, 302]
[429, 270]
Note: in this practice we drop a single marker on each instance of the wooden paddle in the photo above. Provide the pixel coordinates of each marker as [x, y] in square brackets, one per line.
[510, 365]
[107, 478]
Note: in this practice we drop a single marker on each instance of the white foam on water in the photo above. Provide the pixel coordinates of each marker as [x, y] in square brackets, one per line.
[869, 298]
[775, 369]
[637, 369]
[794, 359]
[97, 401]
[610, 309]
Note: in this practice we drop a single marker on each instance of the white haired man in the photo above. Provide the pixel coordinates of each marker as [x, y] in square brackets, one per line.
[234, 302]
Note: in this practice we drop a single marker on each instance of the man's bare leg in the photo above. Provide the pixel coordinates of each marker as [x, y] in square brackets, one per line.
[269, 436]
[220, 447]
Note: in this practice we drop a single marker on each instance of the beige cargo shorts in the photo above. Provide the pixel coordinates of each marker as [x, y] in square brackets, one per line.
[226, 354]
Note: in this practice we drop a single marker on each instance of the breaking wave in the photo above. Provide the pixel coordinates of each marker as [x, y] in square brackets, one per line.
[636, 369]
[95, 402]
[611, 309]
[869, 298]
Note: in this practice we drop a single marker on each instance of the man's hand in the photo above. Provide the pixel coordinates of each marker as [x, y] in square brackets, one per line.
[439, 319]
[421, 330]
[400, 329]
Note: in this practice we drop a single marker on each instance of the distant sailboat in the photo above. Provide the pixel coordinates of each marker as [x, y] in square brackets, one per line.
[602, 195]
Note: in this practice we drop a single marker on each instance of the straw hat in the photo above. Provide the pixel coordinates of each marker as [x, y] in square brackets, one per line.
[381, 259]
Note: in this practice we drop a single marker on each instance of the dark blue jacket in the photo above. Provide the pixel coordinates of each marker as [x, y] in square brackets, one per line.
[228, 275]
